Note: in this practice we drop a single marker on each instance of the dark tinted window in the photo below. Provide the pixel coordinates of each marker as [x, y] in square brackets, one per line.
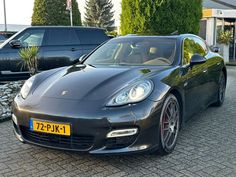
[91, 36]
[193, 45]
[61, 36]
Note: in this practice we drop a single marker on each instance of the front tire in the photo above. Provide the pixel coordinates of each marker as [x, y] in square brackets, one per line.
[169, 125]
[221, 91]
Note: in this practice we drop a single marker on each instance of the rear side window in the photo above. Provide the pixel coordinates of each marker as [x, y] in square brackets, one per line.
[91, 36]
[60, 36]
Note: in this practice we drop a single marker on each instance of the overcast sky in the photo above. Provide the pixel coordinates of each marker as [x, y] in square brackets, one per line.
[20, 11]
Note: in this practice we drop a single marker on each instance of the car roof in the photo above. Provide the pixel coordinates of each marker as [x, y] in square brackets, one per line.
[76, 27]
[177, 37]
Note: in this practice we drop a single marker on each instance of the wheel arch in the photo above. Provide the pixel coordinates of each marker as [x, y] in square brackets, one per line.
[178, 94]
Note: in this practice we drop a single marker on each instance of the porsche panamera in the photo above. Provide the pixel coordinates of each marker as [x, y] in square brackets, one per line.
[131, 94]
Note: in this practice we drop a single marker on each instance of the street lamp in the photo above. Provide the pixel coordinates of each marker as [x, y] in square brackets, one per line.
[5, 17]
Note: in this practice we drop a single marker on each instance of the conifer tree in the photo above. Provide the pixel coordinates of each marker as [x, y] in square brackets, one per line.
[76, 14]
[99, 13]
[53, 12]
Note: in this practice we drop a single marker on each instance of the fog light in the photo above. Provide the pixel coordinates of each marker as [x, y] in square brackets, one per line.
[14, 119]
[122, 132]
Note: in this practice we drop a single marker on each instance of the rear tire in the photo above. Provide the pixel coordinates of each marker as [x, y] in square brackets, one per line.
[169, 125]
[221, 91]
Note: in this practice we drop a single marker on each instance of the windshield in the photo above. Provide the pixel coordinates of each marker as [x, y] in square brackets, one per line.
[134, 51]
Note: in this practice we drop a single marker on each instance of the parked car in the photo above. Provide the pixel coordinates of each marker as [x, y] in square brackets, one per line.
[132, 94]
[59, 46]
[7, 34]
[4, 35]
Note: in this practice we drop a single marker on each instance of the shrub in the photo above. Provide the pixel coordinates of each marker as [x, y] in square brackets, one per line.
[30, 57]
[224, 37]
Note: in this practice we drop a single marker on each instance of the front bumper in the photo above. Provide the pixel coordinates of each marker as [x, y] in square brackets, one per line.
[90, 128]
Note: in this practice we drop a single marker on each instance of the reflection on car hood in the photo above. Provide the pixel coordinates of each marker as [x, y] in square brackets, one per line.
[92, 83]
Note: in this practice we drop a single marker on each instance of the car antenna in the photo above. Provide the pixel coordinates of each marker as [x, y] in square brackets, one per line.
[175, 32]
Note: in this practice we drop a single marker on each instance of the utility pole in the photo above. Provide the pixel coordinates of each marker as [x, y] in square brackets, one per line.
[5, 17]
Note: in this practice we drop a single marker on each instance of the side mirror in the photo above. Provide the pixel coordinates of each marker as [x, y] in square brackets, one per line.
[197, 59]
[80, 60]
[216, 49]
[15, 44]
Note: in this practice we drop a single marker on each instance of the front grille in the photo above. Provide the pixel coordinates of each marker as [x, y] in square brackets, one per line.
[68, 142]
[120, 142]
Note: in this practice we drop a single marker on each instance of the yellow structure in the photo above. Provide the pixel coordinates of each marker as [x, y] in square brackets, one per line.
[219, 19]
[207, 13]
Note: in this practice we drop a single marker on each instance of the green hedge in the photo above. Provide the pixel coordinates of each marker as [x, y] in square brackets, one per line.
[160, 16]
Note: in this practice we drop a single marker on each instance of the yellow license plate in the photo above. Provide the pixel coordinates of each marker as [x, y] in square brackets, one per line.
[50, 127]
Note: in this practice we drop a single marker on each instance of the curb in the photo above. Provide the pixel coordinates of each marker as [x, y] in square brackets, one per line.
[231, 63]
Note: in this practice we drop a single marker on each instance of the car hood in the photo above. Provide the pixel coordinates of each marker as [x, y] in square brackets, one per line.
[91, 83]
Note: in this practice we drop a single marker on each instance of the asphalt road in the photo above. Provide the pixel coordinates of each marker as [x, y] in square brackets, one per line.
[206, 147]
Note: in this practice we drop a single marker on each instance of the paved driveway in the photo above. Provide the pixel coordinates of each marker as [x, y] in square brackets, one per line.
[206, 147]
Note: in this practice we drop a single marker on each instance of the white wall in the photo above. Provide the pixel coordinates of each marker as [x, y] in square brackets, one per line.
[210, 31]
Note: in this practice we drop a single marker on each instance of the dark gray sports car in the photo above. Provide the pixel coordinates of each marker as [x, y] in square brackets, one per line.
[131, 94]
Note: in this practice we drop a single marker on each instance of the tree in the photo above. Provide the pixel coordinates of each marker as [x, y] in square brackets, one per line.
[76, 14]
[161, 16]
[51, 12]
[99, 13]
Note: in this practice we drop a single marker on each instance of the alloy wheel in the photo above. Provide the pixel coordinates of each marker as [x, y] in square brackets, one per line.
[170, 123]
[222, 88]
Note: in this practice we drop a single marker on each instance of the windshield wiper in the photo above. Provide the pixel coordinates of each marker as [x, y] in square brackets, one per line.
[90, 65]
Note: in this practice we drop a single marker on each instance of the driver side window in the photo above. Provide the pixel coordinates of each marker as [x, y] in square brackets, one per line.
[32, 38]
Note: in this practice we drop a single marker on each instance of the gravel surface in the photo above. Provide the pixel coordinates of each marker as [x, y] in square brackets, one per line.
[8, 92]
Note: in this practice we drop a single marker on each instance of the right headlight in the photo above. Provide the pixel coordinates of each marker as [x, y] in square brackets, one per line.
[136, 93]
[26, 87]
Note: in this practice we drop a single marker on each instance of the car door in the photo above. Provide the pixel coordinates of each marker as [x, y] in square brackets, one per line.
[28, 38]
[214, 64]
[196, 83]
[61, 48]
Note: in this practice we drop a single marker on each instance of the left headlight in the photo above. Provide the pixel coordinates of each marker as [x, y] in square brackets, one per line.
[136, 93]
[26, 87]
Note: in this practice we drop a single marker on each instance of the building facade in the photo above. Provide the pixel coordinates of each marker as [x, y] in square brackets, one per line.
[219, 15]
